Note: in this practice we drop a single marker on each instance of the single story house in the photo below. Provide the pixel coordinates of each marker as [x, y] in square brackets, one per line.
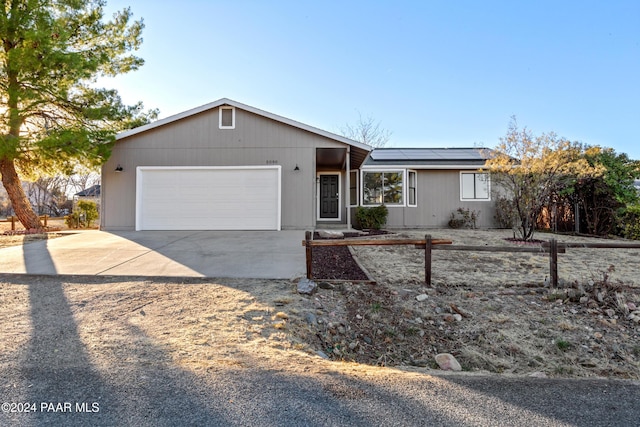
[230, 166]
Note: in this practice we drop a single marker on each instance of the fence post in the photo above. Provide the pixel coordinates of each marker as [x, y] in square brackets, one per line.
[13, 223]
[427, 259]
[307, 237]
[553, 262]
[46, 217]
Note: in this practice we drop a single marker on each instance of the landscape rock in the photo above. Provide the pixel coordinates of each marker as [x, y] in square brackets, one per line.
[311, 318]
[447, 362]
[322, 354]
[329, 234]
[307, 287]
[422, 297]
[326, 285]
[538, 375]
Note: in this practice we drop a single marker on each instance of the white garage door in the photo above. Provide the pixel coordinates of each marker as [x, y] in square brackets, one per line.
[208, 198]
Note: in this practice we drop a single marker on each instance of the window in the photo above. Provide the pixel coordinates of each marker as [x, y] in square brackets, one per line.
[382, 188]
[412, 178]
[474, 186]
[353, 187]
[227, 118]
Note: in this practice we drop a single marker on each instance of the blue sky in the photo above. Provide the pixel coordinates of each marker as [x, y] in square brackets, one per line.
[434, 73]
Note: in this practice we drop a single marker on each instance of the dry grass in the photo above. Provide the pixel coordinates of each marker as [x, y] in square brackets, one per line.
[513, 325]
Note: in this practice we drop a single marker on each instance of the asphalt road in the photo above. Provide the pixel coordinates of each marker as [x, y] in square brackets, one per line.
[170, 396]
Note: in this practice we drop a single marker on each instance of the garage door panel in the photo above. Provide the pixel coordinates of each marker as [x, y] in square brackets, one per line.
[216, 198]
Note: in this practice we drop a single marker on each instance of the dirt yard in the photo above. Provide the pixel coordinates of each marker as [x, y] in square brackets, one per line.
[492, 311]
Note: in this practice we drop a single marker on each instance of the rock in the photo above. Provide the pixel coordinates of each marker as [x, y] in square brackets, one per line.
[326, 285]
[597, 335]
[447, 362]
[353, 345]
[322, 354]
[311, 318]
[422, 297]
[328, 234]
[307, 287]
[631, 306]
[610, 312]
[538, 375]
[457, 317]
[367, 340]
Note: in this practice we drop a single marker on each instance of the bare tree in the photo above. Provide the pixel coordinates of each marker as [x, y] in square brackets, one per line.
[530, 168]
[367, 131]
[84, 179]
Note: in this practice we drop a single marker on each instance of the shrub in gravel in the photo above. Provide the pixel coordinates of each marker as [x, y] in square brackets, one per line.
[372, 218]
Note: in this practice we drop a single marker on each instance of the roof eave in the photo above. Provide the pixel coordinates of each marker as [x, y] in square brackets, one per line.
[227, 101]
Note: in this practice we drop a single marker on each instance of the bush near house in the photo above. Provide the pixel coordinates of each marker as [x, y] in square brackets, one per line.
[373, 218]
[464, 217]
[84, 216]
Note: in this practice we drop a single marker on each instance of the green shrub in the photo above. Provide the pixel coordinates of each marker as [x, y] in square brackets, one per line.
[372, 218]
[630, 222]
[84, 216]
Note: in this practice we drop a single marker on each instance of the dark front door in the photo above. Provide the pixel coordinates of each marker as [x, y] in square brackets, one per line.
[329, 194]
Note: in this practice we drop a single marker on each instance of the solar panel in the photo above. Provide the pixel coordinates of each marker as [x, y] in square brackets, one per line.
[427, 154]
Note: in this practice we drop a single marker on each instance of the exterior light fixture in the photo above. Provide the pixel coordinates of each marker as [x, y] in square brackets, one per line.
[296, 168]
[119, 168]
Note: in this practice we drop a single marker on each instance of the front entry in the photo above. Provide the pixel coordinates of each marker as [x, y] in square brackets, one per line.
[329, 197]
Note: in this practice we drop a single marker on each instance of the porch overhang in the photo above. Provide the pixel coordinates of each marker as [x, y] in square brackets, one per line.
[336, 158]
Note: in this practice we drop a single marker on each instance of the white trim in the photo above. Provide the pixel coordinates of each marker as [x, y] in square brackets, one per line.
[318, 204]
[415, 173]
[233, 117]
[229, 102]
[384, 170]
[139, 184]
[476, 172]
[418, 167]
[356, 202]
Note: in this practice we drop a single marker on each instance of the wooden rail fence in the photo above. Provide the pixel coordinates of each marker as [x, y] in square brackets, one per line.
[553, 248]
[14, 219]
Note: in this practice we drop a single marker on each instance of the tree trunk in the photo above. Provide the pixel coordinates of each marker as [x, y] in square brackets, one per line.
[19, 200]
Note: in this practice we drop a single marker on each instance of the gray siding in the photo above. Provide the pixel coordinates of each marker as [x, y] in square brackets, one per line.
[197, 141]
[438, 196]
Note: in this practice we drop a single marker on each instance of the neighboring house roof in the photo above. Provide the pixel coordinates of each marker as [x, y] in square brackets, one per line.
[429, 158]
[93, 191]
[229, 102]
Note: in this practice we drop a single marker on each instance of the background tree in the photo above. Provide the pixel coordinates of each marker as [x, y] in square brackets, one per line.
[52, 118]
[367, 131]
[529, 169]
[602, 198]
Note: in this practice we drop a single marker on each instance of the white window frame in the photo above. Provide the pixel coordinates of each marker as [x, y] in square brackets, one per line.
[233, 117]
[415, 188]
[403, 172]
[475, 186]
[354, 181]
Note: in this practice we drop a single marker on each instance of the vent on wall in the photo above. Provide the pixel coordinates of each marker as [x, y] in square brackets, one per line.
[227, 118]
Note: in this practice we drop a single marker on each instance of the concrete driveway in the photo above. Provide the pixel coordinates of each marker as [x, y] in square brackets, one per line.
[220, 254]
